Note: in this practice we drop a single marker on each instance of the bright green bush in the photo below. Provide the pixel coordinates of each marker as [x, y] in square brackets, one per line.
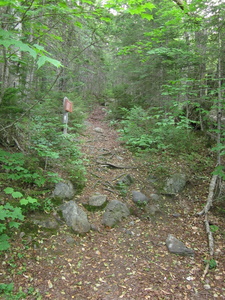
[49, 150]
[18, 167]
[46, 149]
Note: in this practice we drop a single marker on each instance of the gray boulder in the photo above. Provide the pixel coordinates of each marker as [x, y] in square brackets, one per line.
[177, 247]
[97, 200]
[75, 217]
[175, 184]
[139, 198]
[115, 211]
[64, 190]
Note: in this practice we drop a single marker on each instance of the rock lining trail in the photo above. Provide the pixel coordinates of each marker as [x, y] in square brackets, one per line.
[131, 260]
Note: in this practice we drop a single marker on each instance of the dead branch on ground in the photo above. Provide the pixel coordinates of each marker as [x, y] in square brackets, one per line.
[205, 212]
[210, 196]
[111, 165]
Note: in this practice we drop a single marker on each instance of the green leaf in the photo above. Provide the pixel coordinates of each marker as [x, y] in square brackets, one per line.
[139, 9]
[5, 33]
[18, 44]
[17, 214]
[31, 200]
[40, 48]
[2, 228]
[14, 224]
[78, 24]
[4, 244]
[4, 3]
[3, 214]
[8, 206]
[17, 195]
[43, 59]
[147, 16]
[28, 200]
[149, 5]
[106, 19]
[24, 201]
[8, 190]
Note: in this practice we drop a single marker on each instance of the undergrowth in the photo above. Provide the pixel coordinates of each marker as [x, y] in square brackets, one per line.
[43, 157]
[154, 130]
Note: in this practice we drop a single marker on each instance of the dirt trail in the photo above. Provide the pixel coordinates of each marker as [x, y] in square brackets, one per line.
[107, 159]
[129, 261]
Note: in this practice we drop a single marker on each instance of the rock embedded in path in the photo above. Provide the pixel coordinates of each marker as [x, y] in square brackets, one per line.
[151, 209]
[99, 130]
[177, 247]
[70, 240]
[175, 184]
[46, 222]
[176, 215]
[75, 217]
[97, 200]
[115, 211]
[64, 190]
[139, 198]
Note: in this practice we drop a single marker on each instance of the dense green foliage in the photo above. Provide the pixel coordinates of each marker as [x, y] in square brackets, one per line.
[155, 130]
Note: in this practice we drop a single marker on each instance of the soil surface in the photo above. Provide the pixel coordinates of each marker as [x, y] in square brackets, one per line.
[131, 260]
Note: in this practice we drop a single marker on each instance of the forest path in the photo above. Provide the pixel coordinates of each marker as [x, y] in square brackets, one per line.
[129, 261]
[108, 160]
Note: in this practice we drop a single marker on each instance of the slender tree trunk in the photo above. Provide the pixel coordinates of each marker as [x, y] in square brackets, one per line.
[4, 74]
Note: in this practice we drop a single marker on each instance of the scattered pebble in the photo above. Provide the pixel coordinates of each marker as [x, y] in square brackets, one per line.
[22, 234]
[190, 278]
[207, 287]
[176, 215]
[98, 129]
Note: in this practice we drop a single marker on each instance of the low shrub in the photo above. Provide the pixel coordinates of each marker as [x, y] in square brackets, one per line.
[153, 129]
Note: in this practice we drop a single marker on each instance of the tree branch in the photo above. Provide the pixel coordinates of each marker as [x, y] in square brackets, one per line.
[210, 236]
[180, 3]
[210, 196]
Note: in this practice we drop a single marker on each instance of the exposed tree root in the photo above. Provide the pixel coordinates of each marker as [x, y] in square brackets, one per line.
[205, 271]
[111, 165]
